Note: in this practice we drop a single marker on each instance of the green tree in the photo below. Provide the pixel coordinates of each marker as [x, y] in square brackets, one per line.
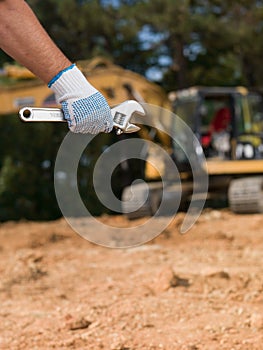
[169, 23]
[27, 156]
[204, 42]
[229, 34]
[190, 42]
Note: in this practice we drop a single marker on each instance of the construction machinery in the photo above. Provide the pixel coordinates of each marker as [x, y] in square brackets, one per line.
[228, 123]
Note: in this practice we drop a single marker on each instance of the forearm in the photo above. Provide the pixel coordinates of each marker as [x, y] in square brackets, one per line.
[23, 38]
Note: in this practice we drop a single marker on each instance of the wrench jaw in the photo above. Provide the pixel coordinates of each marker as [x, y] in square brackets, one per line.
[130, 128]
[122, 114]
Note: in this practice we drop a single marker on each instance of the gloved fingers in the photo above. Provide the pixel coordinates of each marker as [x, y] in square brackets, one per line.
[88, 115]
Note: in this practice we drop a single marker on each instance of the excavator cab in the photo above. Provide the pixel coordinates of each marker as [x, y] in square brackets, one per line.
[227, 121]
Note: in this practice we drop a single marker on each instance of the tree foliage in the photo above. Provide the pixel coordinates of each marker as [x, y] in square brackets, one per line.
[27, 159]
[189, 42]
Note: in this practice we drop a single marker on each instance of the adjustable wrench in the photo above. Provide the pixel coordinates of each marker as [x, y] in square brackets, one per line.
[121, 115]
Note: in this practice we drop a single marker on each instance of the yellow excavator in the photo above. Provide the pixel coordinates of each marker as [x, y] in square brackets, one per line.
[227, 121]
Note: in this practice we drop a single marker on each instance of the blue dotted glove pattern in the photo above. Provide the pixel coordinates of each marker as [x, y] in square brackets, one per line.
[88, 115]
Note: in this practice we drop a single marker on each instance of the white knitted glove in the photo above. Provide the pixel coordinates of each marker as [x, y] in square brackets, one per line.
[84, 107]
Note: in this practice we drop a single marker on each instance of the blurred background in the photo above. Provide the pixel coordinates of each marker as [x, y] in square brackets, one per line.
[128, 49]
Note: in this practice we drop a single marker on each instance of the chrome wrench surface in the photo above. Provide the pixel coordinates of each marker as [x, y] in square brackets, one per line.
[121, 115]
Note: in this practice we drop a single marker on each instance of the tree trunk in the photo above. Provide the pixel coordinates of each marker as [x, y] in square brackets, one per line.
[248, 71]
[179, 62]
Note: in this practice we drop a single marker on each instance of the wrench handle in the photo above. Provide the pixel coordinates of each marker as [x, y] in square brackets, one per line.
[34, 114]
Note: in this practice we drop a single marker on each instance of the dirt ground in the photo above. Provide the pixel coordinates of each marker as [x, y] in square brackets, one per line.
[202, 290]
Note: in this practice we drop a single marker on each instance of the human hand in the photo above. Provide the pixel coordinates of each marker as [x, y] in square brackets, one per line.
[84, 107]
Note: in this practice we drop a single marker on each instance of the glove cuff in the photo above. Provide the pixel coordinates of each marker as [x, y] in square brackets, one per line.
[70, 83]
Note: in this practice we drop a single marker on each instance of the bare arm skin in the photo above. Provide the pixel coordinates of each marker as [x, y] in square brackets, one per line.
[23, 38]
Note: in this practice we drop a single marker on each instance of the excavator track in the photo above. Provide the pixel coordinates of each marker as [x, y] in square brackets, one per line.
[245, 195]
